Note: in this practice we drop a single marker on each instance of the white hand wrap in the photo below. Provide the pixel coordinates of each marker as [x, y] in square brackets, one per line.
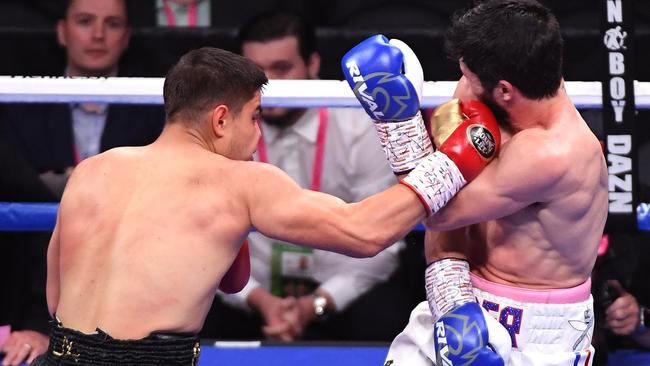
[436, 179]
[405, 143]
[448, 285]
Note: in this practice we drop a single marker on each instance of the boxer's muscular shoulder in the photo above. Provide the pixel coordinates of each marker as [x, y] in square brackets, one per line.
[537, 145]
[538, 157]
[254, 169]
[259, 178]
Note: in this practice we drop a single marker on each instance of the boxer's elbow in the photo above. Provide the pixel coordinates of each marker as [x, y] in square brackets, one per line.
[364, 236]
[368, 238]
[365, 249]
[372, 248]
[370, 242]
[355, 240]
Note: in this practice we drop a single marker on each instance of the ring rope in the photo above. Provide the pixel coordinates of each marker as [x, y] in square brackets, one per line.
[278, 93]
[15, 216]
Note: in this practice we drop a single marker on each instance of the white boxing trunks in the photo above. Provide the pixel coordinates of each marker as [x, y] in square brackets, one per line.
[547, 327]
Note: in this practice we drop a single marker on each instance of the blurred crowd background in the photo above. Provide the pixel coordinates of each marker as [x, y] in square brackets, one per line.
[161, 31]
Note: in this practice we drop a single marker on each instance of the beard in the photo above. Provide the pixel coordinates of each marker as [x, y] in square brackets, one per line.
[502, 116]
[281, 117]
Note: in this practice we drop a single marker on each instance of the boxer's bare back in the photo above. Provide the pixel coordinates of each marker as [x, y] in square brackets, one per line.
[145, 234]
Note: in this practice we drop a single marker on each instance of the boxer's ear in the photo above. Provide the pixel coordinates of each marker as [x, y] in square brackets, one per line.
[503, 92]
[313, 65]
[218, 121]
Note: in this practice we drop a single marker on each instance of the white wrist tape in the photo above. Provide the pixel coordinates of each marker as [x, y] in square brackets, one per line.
[405, 143]
[448, 285]
[436, 179]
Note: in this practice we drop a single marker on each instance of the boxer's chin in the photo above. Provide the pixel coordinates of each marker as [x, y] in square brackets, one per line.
[502, 116]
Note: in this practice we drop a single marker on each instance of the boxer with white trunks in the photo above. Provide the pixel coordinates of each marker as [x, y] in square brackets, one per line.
[546, 327]
[528, 226]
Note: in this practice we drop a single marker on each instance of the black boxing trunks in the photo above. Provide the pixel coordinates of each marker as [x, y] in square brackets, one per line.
[70, 347]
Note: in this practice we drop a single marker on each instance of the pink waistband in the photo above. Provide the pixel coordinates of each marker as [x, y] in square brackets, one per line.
[550, 296]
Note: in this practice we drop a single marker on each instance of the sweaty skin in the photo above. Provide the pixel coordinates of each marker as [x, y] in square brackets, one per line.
[145, 234]
[535, 215]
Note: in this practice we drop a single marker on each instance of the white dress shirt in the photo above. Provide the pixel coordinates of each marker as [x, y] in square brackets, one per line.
[173, 14]
[88, 122]
[354, 167]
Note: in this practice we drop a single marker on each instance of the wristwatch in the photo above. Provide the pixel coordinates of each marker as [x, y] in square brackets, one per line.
[644, 319]
[643, 323]
[320, 305]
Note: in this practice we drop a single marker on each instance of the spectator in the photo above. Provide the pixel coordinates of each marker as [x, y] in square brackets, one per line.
[55, 137]
[313, 294]
[22, 271]
[183, 13]
[621, 295]
[619, 288]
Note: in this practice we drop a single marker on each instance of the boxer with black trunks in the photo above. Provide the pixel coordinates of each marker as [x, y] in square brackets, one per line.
[145, 235]
[529, 225]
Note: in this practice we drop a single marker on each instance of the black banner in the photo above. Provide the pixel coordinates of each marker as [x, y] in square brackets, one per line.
[619, 114]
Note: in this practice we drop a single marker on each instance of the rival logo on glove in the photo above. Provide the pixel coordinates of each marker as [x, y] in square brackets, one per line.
[461, 339]
[360, 90]
[442, 345]
[482, 140]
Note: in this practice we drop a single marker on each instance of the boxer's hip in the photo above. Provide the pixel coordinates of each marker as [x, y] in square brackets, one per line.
[70, 347]
[557, 320]
[547, 328]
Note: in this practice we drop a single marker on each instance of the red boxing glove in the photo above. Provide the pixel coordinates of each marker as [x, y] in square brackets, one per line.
[240, 270]
[468, 133]
[468, 138]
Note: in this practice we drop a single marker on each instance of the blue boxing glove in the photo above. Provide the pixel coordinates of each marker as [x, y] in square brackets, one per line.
[373, 68]
[386, 77]
[468, 335]
[464, 333]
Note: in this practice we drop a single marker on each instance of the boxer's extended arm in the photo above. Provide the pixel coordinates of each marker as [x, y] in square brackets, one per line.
[279, 208]
[52, 287]
[529, 169]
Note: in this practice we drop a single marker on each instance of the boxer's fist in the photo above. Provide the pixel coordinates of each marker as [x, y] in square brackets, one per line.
[373, 68]
[468, 335]
[237, 275]
[468, 138]
[468, 133]
[386, 77]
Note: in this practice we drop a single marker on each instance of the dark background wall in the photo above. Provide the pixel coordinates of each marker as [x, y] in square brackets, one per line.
[29, 46]
[28, 43]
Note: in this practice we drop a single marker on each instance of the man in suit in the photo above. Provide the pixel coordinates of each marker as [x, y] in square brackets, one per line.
[55, 137]
[40, 145]
[22, 271]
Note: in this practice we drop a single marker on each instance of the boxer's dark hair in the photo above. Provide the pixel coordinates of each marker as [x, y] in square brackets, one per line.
[206, 77]
[273, 25]
[514, 40]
